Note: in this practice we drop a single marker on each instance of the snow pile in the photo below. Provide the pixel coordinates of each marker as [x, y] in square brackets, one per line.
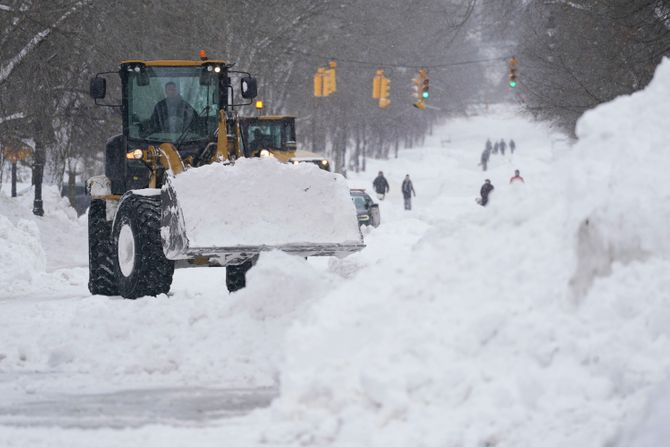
[198, 337]
[33, 249]
[21, 254]
[620, 203]
[474, 337]
[263, 202]
[60, 233]
[543, 318]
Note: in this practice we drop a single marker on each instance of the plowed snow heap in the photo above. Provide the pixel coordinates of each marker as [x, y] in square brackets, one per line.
[178, 192]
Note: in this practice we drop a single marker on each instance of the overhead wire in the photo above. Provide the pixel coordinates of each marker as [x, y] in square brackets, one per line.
[395, 65]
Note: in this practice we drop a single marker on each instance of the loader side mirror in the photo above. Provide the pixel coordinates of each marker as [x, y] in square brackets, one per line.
[249, 87]
[98, 88]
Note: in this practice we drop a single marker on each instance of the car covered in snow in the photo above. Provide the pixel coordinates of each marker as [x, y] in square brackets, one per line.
[303, 156]
[366, 209]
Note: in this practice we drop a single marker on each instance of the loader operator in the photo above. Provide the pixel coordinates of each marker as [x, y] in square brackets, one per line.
[260, 140]
[172, 114]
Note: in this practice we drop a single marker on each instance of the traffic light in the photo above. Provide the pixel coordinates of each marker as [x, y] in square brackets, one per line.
[318, 83]
[416, 87]
[377, 84]
[512, 71]
[425, 94]
[385, 92]
[381, 88]
[421, 89]
[325, 82]
[329, 80]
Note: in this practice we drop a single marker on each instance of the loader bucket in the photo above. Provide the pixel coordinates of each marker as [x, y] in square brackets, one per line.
[233, 212]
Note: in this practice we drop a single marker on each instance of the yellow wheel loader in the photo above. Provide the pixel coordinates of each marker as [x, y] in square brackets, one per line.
[179, 192]
[274, 136]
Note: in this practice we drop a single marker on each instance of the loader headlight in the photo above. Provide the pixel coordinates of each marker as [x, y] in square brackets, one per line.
[296, 162]
[135, 155]
[265, 153]
[324, 162]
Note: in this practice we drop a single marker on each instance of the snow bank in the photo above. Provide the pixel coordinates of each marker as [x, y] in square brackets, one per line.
[198, 337]
[62, 235]
[21, 254]
[456, 327]
[617, 192]
[261, 201]
[473, 337]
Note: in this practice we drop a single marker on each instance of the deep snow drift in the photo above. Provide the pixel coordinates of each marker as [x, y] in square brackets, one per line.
[540, 319]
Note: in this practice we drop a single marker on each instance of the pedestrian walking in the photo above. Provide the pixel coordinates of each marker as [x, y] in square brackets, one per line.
[484, 192]
[484, 160]
[496, 146]
[512, 146]
[516, 178]
[407, 192]
[381, 185]
[503, 146]
[489, 146]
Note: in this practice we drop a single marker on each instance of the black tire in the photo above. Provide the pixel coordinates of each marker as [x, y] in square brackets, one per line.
[101, 276]
[140, 266]
[236, 275]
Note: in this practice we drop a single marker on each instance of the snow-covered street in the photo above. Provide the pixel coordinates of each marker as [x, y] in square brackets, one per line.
[541, 319]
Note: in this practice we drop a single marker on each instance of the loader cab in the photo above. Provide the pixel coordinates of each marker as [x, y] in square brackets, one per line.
[268, 136]
[179, 102]
[174, 103]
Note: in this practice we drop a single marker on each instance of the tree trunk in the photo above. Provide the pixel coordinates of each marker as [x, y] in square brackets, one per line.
[71, 178]
[357, 153]
[38, 174]
[13, 178]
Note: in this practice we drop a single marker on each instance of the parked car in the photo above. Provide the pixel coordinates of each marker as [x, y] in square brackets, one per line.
[367, 210]
[302, 156]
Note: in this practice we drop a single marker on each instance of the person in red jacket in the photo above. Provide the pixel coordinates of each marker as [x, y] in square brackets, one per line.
[517, 177]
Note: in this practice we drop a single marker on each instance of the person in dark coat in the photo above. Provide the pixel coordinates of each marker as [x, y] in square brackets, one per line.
[407, 192]
[484, 160]
[381, 185]
[496, 146]
[486, 189]
[512, 146]
[172, 114]
[503, 146]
